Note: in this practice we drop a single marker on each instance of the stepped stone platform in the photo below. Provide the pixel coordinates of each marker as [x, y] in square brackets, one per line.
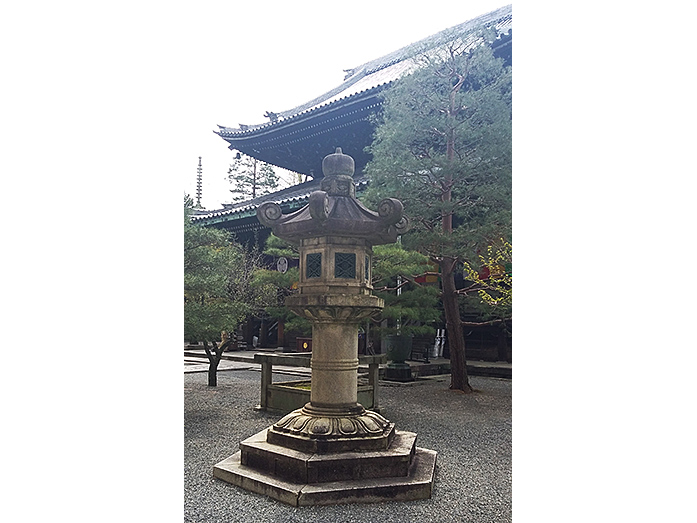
[400, 473]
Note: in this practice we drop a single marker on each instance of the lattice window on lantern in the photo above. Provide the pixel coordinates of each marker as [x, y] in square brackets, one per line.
[313, 265]
[367, 268]
[344, 265]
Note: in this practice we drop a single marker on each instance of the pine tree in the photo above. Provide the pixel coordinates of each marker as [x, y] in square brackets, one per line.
[443, 144]
[285, 284]
[219, 288]
[251, 178]
[411, 308]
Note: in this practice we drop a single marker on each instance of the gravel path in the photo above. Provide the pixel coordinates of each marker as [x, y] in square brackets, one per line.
[471, 433]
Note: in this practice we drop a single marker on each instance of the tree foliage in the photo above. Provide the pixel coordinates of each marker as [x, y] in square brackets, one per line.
[251, 178]
[492, 280]
[284, 283]
[410, 307]
[220, 289]
[443, 146]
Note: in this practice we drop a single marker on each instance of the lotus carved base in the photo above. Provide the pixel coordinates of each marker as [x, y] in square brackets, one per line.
[312, 429]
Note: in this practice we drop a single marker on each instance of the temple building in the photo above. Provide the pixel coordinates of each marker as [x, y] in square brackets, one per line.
[299, 138]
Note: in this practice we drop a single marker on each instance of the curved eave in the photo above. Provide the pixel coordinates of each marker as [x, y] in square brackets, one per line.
[299, 143]
[299, 118]
[246, 212]
[249, 210]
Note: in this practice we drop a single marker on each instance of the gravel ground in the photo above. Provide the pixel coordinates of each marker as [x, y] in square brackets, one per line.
[471, 433]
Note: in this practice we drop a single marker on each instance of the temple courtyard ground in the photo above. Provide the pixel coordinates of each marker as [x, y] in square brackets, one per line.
[471, 433]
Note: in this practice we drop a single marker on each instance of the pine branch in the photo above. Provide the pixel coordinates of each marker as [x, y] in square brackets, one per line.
[484, 323]
[472, 288]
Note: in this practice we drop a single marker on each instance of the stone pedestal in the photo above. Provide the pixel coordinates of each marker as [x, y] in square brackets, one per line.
[333, 421]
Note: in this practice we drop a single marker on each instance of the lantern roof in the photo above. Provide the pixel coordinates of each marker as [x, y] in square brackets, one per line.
[334, 210]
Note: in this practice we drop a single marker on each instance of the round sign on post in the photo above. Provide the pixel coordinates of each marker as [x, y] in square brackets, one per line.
[282, 264]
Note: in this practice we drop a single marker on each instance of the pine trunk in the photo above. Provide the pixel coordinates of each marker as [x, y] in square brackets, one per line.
[453, 323]
[456, 339]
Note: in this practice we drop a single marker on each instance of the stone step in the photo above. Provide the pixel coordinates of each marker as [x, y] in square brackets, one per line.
[416, 485]
[308, 467]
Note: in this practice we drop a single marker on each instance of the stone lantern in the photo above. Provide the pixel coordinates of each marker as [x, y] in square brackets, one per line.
[329, 447]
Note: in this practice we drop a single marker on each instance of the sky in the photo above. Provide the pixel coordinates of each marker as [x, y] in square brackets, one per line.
[262, 59]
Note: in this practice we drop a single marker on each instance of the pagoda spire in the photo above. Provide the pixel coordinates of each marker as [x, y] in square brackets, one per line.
[199, 182]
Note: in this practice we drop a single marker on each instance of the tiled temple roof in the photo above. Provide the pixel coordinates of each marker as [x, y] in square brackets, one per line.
[384, 70]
